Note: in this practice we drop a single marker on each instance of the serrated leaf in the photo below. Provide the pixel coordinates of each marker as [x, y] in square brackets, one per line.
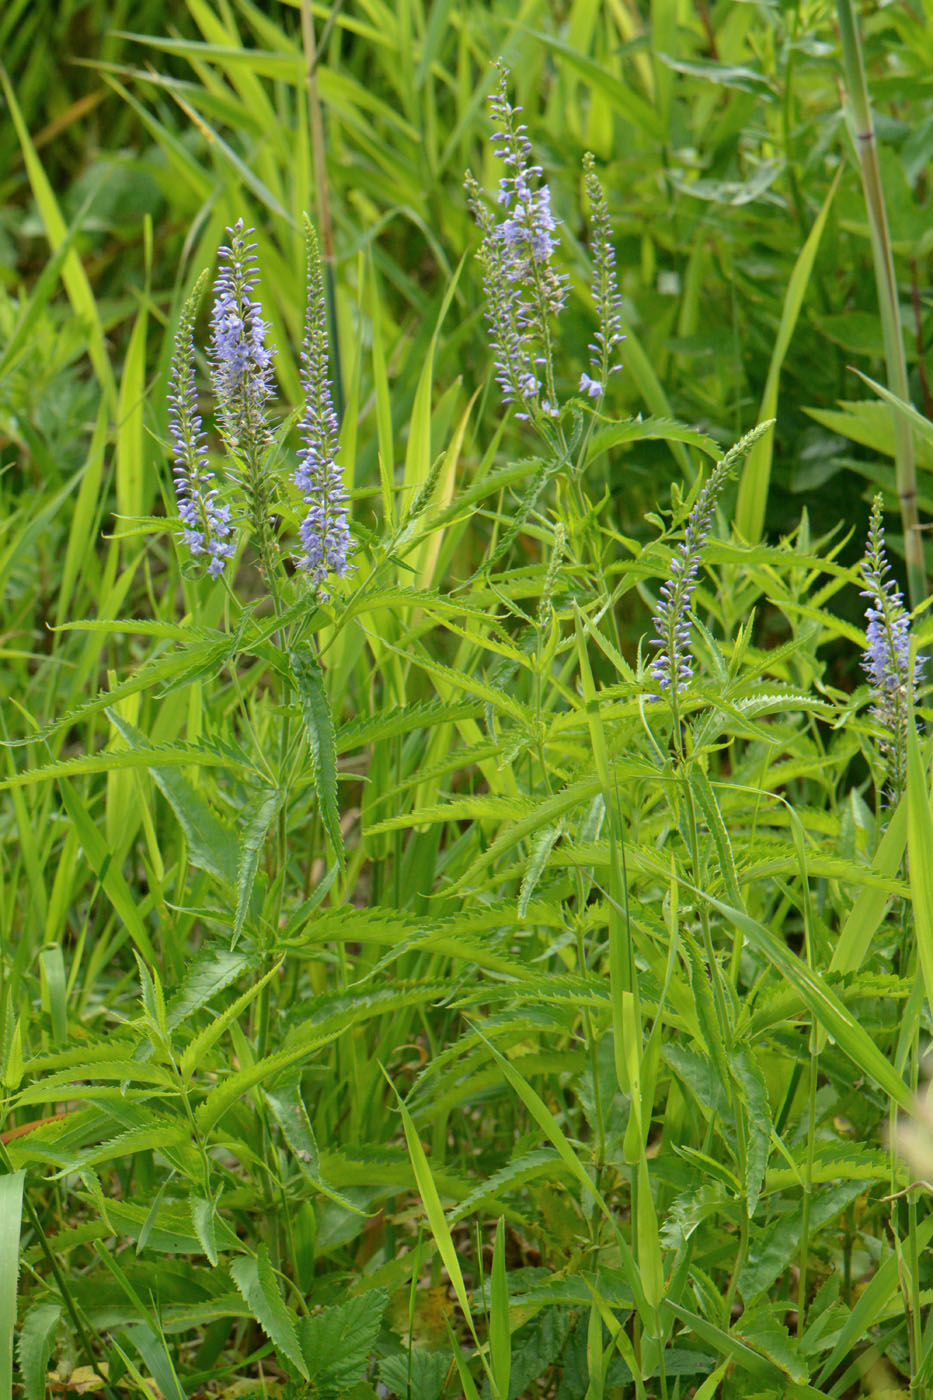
[196, 1051]
[541, 1161]
[211, 971]
[754, 1095]
[179, 669]
[256, 1282]
[645, 429]
[34, 1347]
[427, 1370]
[338, 1342]
[762, 1330]
[322, 746]
[388, 724]
[257, 819]
[713, 817]
[202, 1218]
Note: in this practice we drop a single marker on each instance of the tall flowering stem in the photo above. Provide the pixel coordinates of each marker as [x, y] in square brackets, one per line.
[524, 290]
[605, 287]
[325, 534]
[886, 661]
[206, 521]
[672, 667]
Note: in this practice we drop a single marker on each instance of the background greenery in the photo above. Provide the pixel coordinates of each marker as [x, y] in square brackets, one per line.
[649, 1018]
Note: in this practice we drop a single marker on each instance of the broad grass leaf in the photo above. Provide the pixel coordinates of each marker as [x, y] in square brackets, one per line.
[257, 1283]
[153, 1350]
[11, 1207]
[920, 847]
[212, 845]
[725, 1344]
[74, 277]
[427, 1189]
[500, 1329]
[867, 912]
[756, 474]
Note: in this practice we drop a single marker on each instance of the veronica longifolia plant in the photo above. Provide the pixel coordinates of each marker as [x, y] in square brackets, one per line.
[251, 495]
[887, 662]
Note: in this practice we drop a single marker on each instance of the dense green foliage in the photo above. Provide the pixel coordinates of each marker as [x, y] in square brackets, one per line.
[419, 1008]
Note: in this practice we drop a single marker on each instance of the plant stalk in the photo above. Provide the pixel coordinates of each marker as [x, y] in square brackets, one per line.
[863, 133]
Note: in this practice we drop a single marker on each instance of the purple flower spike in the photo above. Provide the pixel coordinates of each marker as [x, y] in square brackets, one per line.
[241, 361]
[887, 658]
[207, 523]
[605, 286]
[524, 292]
[672, 667]
[529, 230]
[325, 535]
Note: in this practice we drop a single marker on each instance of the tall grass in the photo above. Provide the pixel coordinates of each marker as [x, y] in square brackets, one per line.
[422, 1008]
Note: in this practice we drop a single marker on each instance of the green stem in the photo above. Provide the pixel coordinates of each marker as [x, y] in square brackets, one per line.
[863, 132]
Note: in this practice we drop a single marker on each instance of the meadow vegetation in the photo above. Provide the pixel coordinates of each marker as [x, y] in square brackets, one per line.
[466, 844]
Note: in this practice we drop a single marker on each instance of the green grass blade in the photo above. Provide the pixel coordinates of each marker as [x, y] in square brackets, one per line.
[11, 1210]
[756, 474]
[500, 1331]
[73, 275]
[920, 848]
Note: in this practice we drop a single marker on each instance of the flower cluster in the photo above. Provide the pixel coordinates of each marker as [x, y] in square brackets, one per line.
[207, 523]
[241, 364]
[241, 361]
[524, 291]
[887, 659]
[605, 288]
[325, 536]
